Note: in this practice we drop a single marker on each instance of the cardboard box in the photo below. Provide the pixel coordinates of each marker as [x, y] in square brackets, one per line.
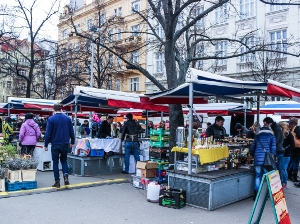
[146, 165]
[146, 173]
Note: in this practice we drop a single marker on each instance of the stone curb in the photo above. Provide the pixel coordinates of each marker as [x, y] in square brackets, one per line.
[62, 188]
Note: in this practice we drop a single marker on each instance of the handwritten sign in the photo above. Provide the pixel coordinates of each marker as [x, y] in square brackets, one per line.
[270, 185]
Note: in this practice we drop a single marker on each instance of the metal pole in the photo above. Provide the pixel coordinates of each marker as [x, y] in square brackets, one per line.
[8, 110]
[258, 112]
[75, 117]
[146, 131]
[245, 112]
[190, 128]
[161, 116]
[91, 83]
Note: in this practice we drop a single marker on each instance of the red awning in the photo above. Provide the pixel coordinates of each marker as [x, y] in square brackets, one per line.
[166, 100]
[279, 89]
[37, 106]
[127, 104]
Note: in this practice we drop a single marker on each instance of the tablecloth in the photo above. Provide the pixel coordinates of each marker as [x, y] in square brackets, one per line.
[108, 144]
[206, 155]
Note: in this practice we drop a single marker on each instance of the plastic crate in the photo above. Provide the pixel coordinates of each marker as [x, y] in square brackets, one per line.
[172, 198]
[161, 180]
[20, 185]
[159, 144]
[156, 155]
[162, 165]
[97, 152]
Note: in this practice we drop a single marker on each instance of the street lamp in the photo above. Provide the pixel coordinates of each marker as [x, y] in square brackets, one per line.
[93, 30]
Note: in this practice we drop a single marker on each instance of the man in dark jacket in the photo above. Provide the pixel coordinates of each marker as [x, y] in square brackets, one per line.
[264, 140]
[105, 128]
[242, 130]
[130, 132]
[217, 130]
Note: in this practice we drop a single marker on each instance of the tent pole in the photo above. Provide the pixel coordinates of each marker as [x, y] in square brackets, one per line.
[75, 117]
[258, 112]
[161, 116]
[245, 112]
[190, 128]
[8, 110]
[146, 131]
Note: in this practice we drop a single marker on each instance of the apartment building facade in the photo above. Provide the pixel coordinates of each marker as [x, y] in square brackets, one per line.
[114, 24]
[250, 21]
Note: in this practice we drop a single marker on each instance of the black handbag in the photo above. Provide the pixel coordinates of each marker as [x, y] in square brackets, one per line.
[269, 161]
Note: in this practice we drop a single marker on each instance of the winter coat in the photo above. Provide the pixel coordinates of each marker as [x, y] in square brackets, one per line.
[244, 130]
[279, 137]
[216, 131]
[130, 131]
[296, 151]
[6, 127]
[29, 132]
[104, 130]
[288, 145]
[268, 141]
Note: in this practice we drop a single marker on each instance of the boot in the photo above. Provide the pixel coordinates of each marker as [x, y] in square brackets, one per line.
[66, 178]
[297, 184]
[56, 184]
[290, 174]
[254, 196]
[294, 176]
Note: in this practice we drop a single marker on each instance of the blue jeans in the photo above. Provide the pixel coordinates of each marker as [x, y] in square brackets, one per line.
[259, 172]
[134, 148]
[60, 152]
[280, 165]
[283, 169]
[294, 163]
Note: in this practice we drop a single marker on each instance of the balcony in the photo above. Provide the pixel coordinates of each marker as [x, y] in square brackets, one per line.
[115, 20]
[128, 42]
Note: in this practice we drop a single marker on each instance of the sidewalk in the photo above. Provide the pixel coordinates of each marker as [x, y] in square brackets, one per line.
[46, 179]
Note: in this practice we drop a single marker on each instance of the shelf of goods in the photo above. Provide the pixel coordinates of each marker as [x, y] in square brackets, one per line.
[212, 190]
[94, 166]
[159, 143]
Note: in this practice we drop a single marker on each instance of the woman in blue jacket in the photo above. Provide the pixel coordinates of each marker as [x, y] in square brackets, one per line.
[263, 141]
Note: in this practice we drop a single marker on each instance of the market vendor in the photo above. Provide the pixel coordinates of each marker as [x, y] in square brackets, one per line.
[84, 128]
[216, 129]
[105, 128]
[242, 130]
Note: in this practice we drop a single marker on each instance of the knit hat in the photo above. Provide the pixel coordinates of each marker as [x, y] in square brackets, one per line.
[29, 116]
[238, 126]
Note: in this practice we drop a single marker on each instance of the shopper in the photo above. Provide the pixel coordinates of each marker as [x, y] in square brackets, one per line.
[130, 133]
[295, 158]
[105, 128]
[279, 142]
[59, 131]
[264, 142]
[252, 131]
[7, 130]
[29, 134]
[242, 130]
[216, 129]
[288, 145]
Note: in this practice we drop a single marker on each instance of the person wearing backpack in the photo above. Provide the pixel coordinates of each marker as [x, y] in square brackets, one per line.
[7, 130]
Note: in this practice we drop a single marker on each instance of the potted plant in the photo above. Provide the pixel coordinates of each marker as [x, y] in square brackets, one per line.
[2, 178]
[28, 167]
[14, 169]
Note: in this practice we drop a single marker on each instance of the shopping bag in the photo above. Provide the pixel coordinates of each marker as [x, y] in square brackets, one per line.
[269, 161]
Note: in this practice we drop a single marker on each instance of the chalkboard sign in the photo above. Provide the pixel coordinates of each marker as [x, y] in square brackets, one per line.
[270, 186]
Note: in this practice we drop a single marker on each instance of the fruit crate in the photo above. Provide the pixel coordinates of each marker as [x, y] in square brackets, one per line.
[20, 185]
[159, 144]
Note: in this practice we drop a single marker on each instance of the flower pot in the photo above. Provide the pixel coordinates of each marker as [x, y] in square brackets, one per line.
[14, 176]
[29, 175]
[2, 185]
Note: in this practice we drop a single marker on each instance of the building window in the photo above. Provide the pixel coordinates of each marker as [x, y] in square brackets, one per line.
[135, 57]
[22, 72]
[118, 85]
[9, 84]
[221, 14]
[135, 30]
[109, 82]
[38, 75]
[200, 23]
[102, 19]
[159, 30]
[22, 86]
[278, 43]
[111, 35]
[246, 8]
[22, 59]
[110, 61]
[119, 34]
[77, 47]
[37, 88]
[100, 64]
[159, 62]
[77, 68]
[221, 51]
[278, 7]
[248, 45]
[118, 11]
[180, 22]
[77, 28]
[199, 52]
[135, 6]
[119, 62]
[64, 34]
[90, 24]
[134, 84]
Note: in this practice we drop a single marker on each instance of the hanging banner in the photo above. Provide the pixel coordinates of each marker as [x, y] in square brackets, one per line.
[287, 114]
[270, 186]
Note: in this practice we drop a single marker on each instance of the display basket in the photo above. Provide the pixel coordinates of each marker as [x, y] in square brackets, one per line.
[29, 175]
